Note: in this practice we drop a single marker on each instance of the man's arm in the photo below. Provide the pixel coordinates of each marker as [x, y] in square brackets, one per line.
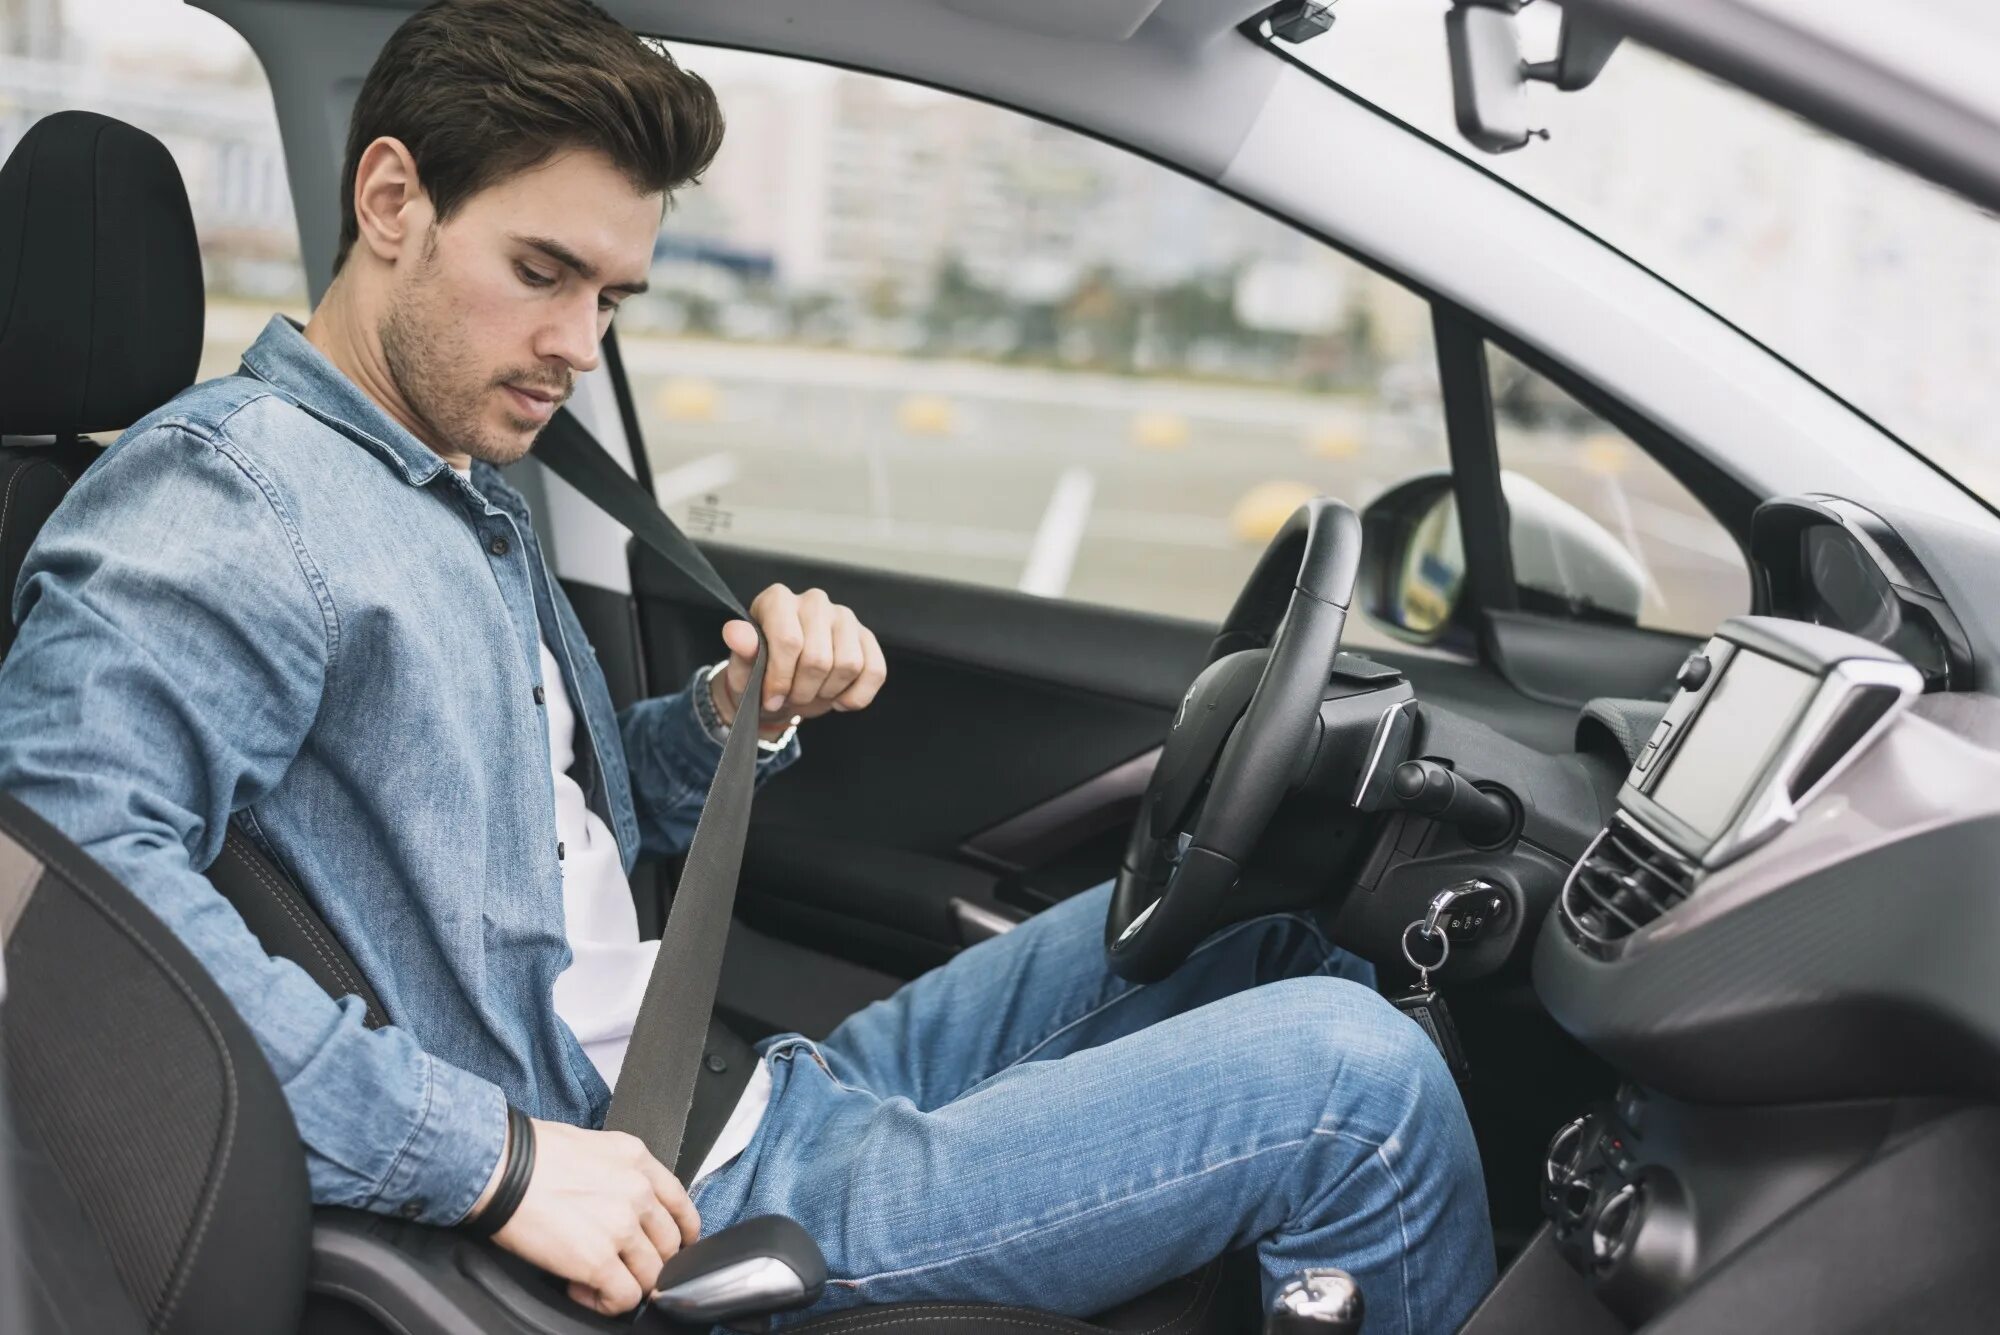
[822, 659]
[174, 641]
[672, 757]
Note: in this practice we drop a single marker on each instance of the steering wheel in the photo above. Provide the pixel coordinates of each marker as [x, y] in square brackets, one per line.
[1243, 735]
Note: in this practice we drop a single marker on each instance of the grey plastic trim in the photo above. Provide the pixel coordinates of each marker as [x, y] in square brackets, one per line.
[1908, 119]
[761, 1283]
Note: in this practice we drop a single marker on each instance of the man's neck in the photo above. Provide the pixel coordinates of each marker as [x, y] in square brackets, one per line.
[353, 347]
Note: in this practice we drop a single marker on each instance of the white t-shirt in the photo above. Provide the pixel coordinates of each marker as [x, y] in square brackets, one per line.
[598, 995]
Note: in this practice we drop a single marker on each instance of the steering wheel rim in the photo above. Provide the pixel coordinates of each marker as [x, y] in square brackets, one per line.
[1239, 740]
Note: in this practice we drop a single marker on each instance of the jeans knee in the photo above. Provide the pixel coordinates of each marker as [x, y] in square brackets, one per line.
[1373, 1066]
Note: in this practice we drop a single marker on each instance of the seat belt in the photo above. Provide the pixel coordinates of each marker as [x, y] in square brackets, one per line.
[656, 1090]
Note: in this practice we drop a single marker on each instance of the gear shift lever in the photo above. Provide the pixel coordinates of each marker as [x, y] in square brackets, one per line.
[1316, 1302]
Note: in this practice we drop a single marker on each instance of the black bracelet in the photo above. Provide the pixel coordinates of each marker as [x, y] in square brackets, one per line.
[513, 1178]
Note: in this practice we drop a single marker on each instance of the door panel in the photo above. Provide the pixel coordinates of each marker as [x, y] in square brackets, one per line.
[997, 705]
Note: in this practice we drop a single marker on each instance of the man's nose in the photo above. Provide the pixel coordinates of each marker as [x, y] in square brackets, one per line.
[573, 336]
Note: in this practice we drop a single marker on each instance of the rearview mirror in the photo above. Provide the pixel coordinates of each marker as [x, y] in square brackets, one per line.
[1489, 79]
[1489, 83]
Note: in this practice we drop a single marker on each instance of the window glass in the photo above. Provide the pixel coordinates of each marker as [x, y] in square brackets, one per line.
[913, 331]
[1884, 287]
[191, 81]
[1596, 526]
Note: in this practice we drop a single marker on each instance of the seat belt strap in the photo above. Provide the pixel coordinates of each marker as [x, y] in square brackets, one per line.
[656, 1085]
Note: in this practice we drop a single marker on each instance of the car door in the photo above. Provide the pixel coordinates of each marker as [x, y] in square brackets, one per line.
[898, 348]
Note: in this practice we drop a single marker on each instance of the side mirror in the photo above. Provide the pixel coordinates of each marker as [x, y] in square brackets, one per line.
[1413, 558]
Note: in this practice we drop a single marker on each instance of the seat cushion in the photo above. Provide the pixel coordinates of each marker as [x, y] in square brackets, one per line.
[1221, 1298]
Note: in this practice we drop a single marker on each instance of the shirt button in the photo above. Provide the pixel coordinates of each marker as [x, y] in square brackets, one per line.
[411, 1209]
[498, 546]
[559, 850]
[539, 697]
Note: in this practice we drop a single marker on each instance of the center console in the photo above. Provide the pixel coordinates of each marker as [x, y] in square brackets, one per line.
[1646, 1192]
[1767, 714]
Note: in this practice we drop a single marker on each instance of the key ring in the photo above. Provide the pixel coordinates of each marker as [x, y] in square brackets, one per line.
[1425, 930]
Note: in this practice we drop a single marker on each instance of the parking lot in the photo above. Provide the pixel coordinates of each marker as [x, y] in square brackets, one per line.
[1152, 494]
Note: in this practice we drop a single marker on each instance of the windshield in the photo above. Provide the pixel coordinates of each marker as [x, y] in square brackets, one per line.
[1877, 284]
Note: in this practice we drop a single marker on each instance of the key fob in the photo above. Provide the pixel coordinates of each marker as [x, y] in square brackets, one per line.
[1426, 1006]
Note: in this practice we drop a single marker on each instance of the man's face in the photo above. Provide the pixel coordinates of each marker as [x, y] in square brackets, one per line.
[493, 314]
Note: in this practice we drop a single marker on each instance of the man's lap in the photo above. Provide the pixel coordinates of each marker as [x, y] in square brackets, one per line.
[1016, 1125]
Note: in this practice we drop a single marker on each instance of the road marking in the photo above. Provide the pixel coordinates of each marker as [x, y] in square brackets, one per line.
[1052, 555]
[696, 477]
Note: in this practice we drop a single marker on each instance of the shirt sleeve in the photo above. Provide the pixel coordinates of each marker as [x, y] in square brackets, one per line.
[174, 642]
[672, 758]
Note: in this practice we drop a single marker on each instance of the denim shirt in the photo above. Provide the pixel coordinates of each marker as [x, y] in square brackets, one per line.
[268, 602]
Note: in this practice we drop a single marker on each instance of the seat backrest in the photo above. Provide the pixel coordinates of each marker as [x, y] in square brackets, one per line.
[157, 1165]
[158, 1171]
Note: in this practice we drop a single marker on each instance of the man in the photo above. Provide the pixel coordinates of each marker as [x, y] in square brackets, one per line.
[302, 598]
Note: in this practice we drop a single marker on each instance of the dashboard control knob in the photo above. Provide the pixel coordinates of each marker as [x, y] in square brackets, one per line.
[1430, 789]
[1565, 1151]
[1617, 1221]
[1577, 1196]
[1694, 672]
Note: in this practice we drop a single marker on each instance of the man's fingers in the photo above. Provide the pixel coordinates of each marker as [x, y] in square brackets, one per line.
[874, 671]
[663, 1232]
[850, 657]
[777, 611]
[642, 1261]
[669, 1192]
[816, 617]
[613, 1288]
[740, 638]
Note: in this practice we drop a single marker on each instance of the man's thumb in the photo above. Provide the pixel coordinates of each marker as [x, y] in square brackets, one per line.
[741, 637]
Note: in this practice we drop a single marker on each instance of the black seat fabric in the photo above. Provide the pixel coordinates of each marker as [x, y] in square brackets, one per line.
[149, 1122]
[101, 276]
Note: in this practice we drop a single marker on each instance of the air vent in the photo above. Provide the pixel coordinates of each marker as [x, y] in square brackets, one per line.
[1624, 881]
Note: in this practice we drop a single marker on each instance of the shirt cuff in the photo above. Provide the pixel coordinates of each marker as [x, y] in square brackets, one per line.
[450, 1155]
[786, 744]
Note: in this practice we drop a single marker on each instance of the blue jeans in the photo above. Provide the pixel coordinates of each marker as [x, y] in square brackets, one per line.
[1020, 1126]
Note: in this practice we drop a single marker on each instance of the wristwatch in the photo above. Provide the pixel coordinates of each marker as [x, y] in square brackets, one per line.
[711, 721]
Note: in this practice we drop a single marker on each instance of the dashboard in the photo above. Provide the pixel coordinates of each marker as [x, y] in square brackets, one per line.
[1781, 937]
[1828, 561]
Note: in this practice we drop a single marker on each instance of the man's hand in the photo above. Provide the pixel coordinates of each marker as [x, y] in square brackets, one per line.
[602, 1213]
[822, 659]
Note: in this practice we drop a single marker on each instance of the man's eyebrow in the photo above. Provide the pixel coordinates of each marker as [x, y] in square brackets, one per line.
[563, 255]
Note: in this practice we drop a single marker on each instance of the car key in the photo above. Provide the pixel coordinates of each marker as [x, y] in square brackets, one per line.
[1426, 1005]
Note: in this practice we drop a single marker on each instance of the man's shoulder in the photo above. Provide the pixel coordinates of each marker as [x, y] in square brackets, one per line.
[241, 417]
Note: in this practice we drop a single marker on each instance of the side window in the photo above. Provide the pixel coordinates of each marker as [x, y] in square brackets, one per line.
[1597, 526]
[908, 330]
[190, 81]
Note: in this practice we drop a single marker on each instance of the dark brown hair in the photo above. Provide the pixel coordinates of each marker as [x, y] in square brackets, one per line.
[480, 90]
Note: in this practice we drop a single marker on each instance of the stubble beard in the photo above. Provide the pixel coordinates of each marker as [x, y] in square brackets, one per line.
[440, 379]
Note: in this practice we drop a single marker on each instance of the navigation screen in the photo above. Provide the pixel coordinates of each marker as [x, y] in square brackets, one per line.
[1749, 711]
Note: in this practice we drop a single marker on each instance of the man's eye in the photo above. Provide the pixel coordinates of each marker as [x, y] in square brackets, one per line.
[533, 278]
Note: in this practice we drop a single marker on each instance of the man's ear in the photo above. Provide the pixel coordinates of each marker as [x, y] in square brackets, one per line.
[391, 210]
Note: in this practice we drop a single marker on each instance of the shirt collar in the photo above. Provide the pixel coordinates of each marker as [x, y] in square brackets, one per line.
[286, 359]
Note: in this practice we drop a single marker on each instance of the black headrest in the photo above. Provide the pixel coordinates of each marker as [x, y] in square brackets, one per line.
[100, 278]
